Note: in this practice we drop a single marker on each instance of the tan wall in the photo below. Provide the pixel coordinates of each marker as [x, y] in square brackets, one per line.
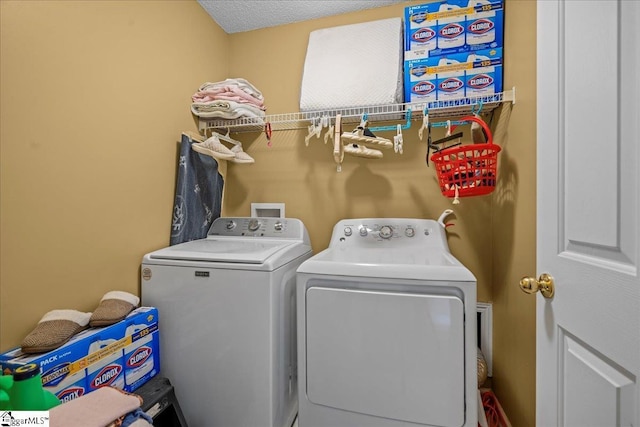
[94, 97]
[305, 178]
[86, 192]
[514, 223]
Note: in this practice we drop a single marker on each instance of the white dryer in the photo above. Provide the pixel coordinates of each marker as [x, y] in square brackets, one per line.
[386, 329]
[227, 320]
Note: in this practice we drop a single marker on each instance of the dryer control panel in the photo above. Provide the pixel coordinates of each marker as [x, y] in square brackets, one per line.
[258, 227]
[370, 232]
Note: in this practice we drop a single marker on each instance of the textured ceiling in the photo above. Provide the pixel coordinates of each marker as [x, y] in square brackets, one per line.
[236, 16]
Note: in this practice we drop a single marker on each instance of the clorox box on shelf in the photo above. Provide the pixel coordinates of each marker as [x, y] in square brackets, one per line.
[480, 73]
[420, 30]
[453, 26]
[454, 76]
[485, 25]
[484, 75]
[98, 357]
[419, 84]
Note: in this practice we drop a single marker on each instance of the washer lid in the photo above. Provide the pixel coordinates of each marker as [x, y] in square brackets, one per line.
[244, 250]
[388, 263]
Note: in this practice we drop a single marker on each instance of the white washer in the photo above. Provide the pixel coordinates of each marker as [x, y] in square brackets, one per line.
[227, 322]
[387, 329]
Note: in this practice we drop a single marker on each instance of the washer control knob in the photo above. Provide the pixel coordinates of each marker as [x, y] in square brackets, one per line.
[278, 226]
[409, 232]
[363, 231]
[231, 225]
[348, 231]
[386, 232]
[254, 224]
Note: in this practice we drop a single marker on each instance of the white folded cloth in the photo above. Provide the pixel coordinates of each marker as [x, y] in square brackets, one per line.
[226, 110]
[228, 99]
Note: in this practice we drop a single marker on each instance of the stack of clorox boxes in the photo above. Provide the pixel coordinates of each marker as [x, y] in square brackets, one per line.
[124, 355]
[453, 50]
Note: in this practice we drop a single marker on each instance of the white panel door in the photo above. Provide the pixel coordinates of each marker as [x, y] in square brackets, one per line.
[588, 333]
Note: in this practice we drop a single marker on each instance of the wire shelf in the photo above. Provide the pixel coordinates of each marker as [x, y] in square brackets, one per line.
[376, 113]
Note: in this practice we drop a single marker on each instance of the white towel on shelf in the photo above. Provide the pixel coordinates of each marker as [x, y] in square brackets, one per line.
[224, 109]
[353, 65]
[229, 99]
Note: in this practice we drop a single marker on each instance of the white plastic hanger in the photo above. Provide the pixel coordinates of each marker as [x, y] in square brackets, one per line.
[397, 140]
[226, 138]
[329, 134]
[315, 130]
[425, 124]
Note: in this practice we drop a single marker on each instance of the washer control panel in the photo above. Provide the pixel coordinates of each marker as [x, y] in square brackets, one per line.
[257, 227]
[388, 231]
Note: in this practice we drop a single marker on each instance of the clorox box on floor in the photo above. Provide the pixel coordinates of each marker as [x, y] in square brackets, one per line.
[97, 357]
[141, 356]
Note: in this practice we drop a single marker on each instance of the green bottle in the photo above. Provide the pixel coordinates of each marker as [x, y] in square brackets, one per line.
[24, 392]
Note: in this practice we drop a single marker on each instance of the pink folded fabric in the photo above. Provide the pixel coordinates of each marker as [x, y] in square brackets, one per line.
[232, 93]
[96, 409]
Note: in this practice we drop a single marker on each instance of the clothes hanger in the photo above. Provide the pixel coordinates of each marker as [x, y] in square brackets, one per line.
[226, 138]
[338, 148]
[435, 145]
[316, 130]
[330, 131]
[478, 135]
[397, 140]
[425, 123]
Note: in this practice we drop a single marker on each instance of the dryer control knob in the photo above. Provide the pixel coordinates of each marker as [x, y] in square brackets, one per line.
[363, 231]
[409, 232]
[254, 224]
[386, 232]
[231, 225]
[278, 226]
[347, 231]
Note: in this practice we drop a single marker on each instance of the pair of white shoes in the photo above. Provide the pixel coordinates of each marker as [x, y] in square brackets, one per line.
[214, 148]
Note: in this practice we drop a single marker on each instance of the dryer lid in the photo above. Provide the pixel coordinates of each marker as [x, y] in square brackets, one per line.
[412, 263]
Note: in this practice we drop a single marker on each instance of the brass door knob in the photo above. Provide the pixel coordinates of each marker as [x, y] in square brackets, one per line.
[544, 284]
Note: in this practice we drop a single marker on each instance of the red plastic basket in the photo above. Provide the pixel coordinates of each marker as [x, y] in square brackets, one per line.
[468, 170]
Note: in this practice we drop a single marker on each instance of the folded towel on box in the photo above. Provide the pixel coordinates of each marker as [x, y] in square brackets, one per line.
[96, 409]
[353, 65]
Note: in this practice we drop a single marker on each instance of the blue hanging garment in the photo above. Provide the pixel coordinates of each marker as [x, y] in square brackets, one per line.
[198, 199]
